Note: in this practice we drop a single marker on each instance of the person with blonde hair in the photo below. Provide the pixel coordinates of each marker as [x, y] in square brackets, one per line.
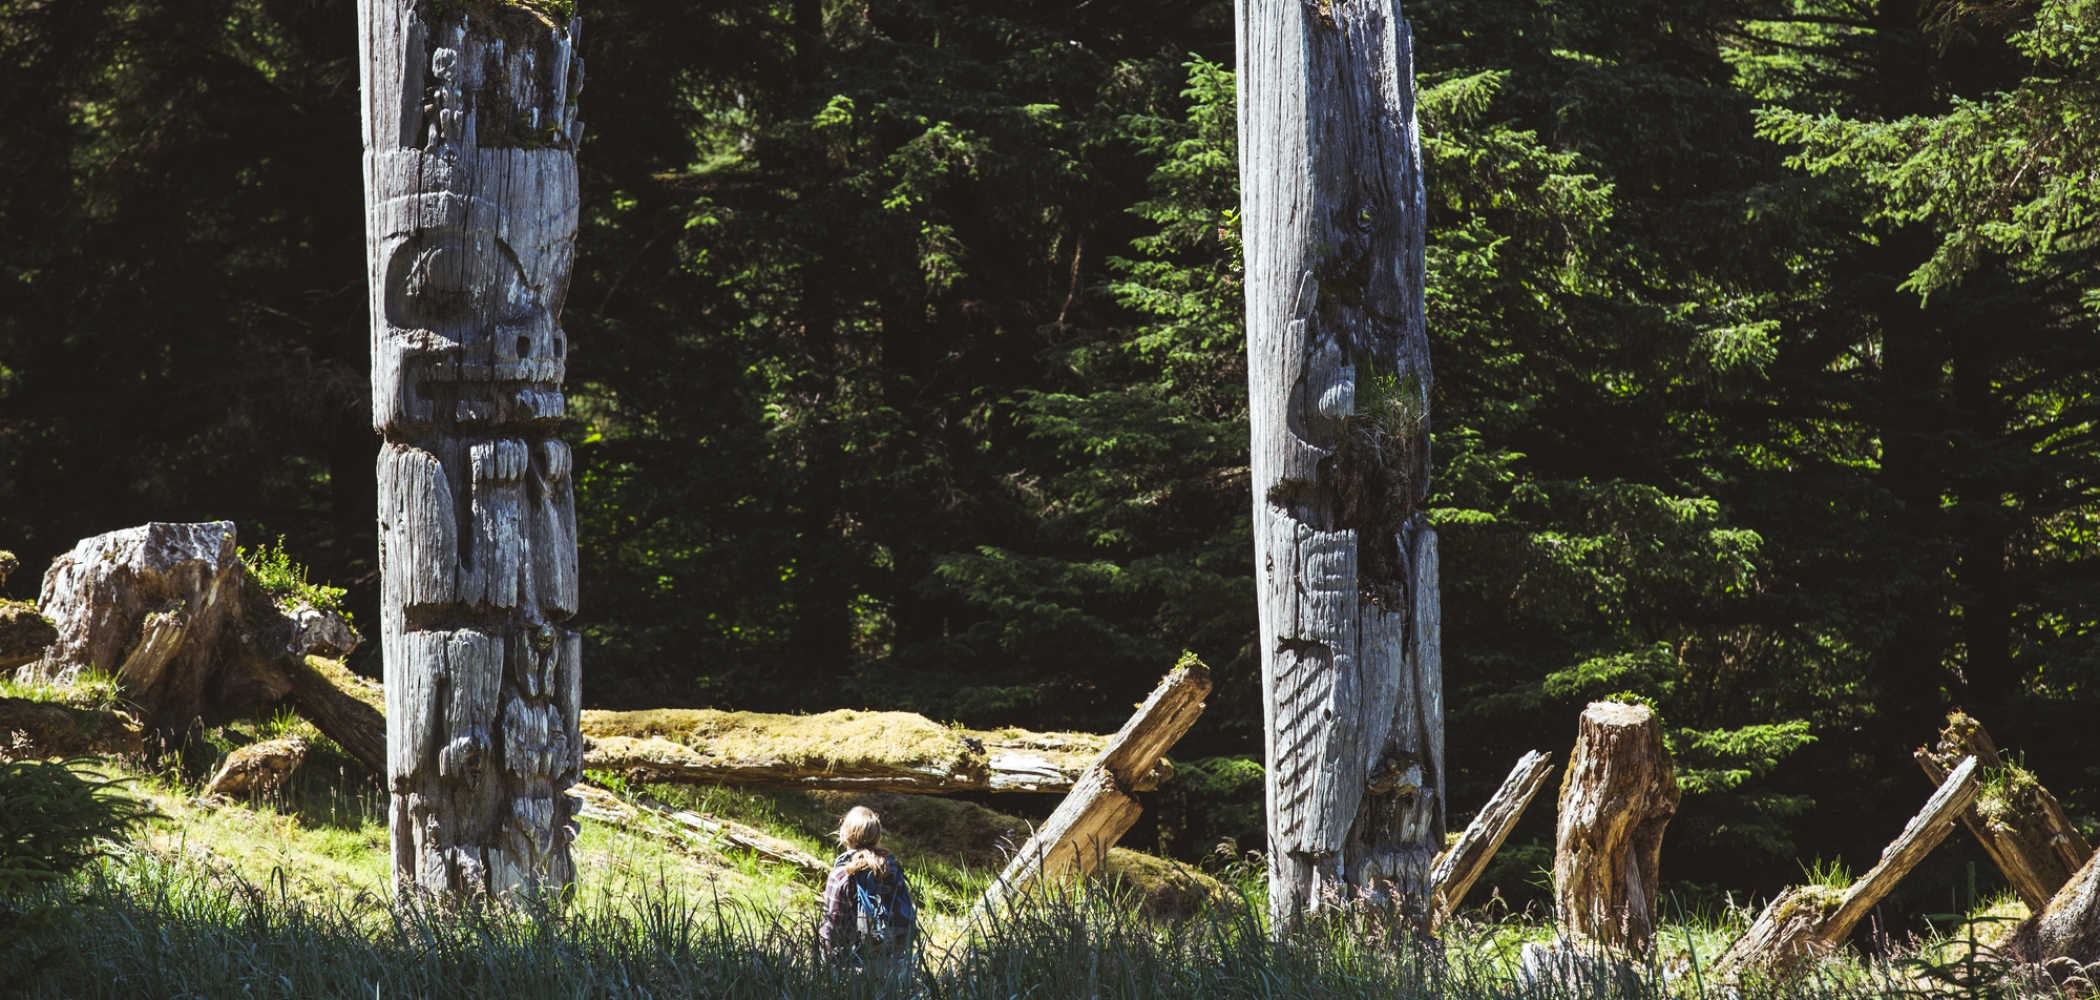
[868, 907]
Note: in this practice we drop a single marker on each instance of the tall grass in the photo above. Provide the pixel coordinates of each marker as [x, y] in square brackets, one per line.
[163, 926]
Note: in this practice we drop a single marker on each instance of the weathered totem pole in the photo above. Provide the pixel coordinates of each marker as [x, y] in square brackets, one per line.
[470, 197]
[1338, 369]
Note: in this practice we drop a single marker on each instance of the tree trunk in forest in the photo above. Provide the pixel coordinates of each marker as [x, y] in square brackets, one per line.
[2019, 823]
[1339, 378]
[1808, 922]
[1457, 867]
[1619, 794]
[2064, 936]
[470, 194]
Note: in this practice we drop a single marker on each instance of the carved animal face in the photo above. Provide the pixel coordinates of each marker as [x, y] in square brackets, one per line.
[475, 251]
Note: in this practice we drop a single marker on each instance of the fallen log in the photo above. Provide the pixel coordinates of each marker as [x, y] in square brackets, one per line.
[46, 729]
[259, 768]
[1809, 922]
[1619, 794]
[1456, 869]
[687, 829]
[24, 634]
[1101, 806]
[2021, 826]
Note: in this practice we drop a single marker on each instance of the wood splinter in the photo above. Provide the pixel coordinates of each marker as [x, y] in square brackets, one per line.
[1808, 922]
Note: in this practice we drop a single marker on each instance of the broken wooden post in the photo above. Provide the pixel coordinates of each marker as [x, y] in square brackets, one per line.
[1808, 922]
[1101, 806]
[1338, 379]
[1463, 862]
[470, 136]
[1619, 794]
[2021, 825]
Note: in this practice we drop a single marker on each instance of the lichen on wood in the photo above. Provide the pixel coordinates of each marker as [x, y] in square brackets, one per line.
[2020, 825]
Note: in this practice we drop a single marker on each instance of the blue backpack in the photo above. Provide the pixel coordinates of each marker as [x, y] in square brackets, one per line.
[884, 917]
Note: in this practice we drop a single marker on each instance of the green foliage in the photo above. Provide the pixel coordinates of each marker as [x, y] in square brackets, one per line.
[54, 817]
[277, 577]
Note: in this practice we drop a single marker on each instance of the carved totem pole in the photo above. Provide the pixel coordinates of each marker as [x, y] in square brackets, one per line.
[1338, 368]
[470, 194]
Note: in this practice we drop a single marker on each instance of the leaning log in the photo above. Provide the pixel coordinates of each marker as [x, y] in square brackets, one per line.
[1102, 805]
[1459, 865]
[1619, 794]
[688, 830]
[1807, 923]
[2020, 825]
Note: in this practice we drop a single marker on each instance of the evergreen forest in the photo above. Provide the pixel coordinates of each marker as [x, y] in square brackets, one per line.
[909, 370]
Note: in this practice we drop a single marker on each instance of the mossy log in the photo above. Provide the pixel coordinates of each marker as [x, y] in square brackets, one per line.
[259, 768]
[844, 750]
[1102, 805]
[1807, 923]
[24, 634]
[1459, 865]
[46, 729]
[1619, 793]
[2019, 823]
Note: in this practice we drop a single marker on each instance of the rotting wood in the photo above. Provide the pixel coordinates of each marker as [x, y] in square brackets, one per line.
[24, 634]
[1460, 864]
[2063, 938]
[1101, 806]
[688, 830]
[45, 729]
[260, 768]
[470, 181]
[2020, 825]
[1807, 923]
[1338, 389]
[1619, 794]
[833, 751]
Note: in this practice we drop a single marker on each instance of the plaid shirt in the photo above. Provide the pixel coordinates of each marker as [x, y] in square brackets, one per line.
[840, 925]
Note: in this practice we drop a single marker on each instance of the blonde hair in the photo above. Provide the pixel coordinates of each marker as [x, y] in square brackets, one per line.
[861, 833]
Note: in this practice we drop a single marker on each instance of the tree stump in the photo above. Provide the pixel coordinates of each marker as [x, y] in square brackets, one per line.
[2021, 825]
[1457, 868]
[1619, 794]
[1807, 923]
[470, 134]
[2063, 938]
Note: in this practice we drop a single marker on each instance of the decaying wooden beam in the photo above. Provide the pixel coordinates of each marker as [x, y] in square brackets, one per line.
[2019, 823]
[688, 830]
[1619, 794]
[1457, 868]
[1101, 806]
[2063, 938]
[1808, 922]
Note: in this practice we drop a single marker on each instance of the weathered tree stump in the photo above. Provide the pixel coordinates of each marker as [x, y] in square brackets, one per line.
[1338, 380]
[1619, 794]
[1457, 868]
[470, 133]
[259, 768]
[2021, 825]
[1101, 806]
[1807, 923]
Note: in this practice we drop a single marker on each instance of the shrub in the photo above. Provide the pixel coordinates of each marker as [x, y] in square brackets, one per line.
[53, 818]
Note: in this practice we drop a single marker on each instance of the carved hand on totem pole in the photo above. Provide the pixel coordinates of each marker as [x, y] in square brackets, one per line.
[471, 245]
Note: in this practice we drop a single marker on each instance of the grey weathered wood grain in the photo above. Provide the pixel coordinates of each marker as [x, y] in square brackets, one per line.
[1332, 208]
[1457, 868]
[1101, 806]
[471, 193]
[1806, 923]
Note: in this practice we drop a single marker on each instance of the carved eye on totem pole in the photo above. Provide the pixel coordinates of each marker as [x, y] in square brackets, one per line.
[473, 295]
